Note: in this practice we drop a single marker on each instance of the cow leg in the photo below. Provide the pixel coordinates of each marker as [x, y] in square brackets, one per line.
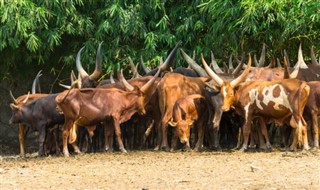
[65, 135]
[108, 136]
[246, 132]
[118, 134]
[216, 129]
[41, 139]
[174, 142]
[240, 138]
[148, 131]
[200, 137]
[23, 130]
[305, 138]
[253, 134]
[164, 144]
[56, 139]
[315, 129]
[264, 130]
[294, 143]
[159, 135]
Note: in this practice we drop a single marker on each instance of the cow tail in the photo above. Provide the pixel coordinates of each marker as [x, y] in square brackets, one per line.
[73, 134]
[302, 123]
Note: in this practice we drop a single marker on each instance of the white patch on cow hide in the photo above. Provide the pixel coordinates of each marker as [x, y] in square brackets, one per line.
[268, 97]
[246, 108]
[224, 92]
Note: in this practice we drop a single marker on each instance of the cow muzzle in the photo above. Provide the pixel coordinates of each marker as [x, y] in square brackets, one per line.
[184, 140]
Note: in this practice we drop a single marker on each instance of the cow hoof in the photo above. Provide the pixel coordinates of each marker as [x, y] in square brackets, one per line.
[243, 149]
[108, 150]
[123, 150]
[165, 148]
[217, 148]
[157, 148]
[197, 149]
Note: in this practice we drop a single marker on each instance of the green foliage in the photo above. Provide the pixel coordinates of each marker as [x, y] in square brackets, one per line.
[48, 33]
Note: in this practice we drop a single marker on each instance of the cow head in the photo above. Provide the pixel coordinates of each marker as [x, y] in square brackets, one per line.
[143, 93]
[16, 108]
[183, 128]
[227, 88]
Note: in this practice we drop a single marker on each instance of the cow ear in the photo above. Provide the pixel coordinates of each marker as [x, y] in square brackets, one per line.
[172, 123]
[14, 107]
[189, 122]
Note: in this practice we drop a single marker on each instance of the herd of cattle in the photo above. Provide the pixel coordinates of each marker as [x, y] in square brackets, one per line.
[205, 106]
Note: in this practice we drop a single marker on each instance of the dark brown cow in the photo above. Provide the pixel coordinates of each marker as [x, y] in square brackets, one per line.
[91, 106]
[276, 100]
[186, 112]
[39, 114]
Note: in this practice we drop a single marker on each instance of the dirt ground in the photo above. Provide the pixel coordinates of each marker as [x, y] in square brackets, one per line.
[164, 170]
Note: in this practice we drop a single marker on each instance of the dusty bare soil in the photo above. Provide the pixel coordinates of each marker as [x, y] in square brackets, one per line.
[162, 170]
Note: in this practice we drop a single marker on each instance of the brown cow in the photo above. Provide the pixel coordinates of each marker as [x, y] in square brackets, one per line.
[172, 87]
[187, 111]
[91, 106]
[276, 100]
[312, 111]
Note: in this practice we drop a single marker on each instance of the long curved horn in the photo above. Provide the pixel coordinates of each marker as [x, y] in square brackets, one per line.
[238, 68]
[125, 83]
[98, 70]
[13, 98]
[286, 74]
[65, 86]
[145, 69]
[272, 63]
[201, 72]
[80, 69]
[243, 75]
[170, 59]
[255, 60]
[35, 81]
[133, 69]
[72, 77]
[262, 56]
[313, 57]
[111, 78]
[26, 99]
[278, 63]
[225, 67]
[230, 63]
[287, 57]
[300, 63]
[146, 86]
[214, 64]
[213, 75]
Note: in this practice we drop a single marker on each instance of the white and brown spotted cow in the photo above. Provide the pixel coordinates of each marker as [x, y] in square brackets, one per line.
[187, 111]
[281, 101]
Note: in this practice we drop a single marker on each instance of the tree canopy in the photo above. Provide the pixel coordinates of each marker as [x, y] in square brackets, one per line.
[49, 33]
